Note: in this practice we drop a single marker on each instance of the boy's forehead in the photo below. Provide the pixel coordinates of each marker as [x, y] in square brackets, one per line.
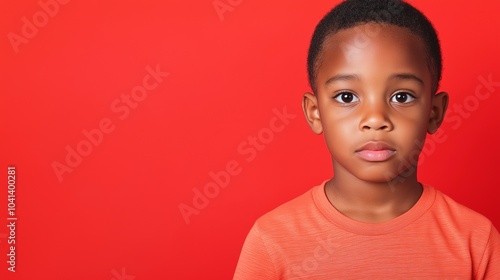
[370, 48]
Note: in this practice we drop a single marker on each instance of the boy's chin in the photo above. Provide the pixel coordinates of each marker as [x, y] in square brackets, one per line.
[388, 177]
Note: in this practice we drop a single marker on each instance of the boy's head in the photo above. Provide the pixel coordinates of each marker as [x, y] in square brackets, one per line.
[374, 67]
[352, 13]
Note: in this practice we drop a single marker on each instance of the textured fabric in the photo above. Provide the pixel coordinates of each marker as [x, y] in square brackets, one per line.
[307, 238]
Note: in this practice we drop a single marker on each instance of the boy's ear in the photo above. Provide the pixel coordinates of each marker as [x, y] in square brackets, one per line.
[311, 112]
[439, 104]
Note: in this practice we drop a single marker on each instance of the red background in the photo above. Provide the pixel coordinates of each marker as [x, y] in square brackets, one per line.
[119, 208]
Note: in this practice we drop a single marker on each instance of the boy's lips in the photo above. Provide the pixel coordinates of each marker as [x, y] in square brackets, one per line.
[375, 151]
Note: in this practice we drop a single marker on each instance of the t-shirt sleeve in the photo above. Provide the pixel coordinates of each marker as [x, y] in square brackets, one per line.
[489, 267]
[255, 261]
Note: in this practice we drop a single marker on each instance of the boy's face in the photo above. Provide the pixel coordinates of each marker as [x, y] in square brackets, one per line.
[374, 102]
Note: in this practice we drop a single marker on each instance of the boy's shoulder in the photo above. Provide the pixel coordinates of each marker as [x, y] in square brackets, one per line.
[449, 211]
[299, 209]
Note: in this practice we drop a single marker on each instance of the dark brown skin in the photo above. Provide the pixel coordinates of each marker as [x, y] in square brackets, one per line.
[377, 105]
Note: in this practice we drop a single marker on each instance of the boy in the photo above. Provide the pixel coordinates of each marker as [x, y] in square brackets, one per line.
[374, 68]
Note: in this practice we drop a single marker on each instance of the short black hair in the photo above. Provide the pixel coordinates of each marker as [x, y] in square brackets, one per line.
[351, 13]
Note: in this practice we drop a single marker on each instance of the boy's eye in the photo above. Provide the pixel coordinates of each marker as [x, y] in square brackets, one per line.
[346, 97]
[402, 97]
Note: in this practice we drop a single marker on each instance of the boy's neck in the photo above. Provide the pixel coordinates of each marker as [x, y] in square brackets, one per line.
[372, 202]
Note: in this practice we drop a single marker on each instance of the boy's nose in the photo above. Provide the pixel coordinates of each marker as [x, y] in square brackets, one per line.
[375, 117]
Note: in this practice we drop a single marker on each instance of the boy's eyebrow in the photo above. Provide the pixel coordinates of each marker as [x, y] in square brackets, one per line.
[407, 76]
[342, 77]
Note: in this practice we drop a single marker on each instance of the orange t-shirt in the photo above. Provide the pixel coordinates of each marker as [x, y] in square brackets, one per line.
[307, 238]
